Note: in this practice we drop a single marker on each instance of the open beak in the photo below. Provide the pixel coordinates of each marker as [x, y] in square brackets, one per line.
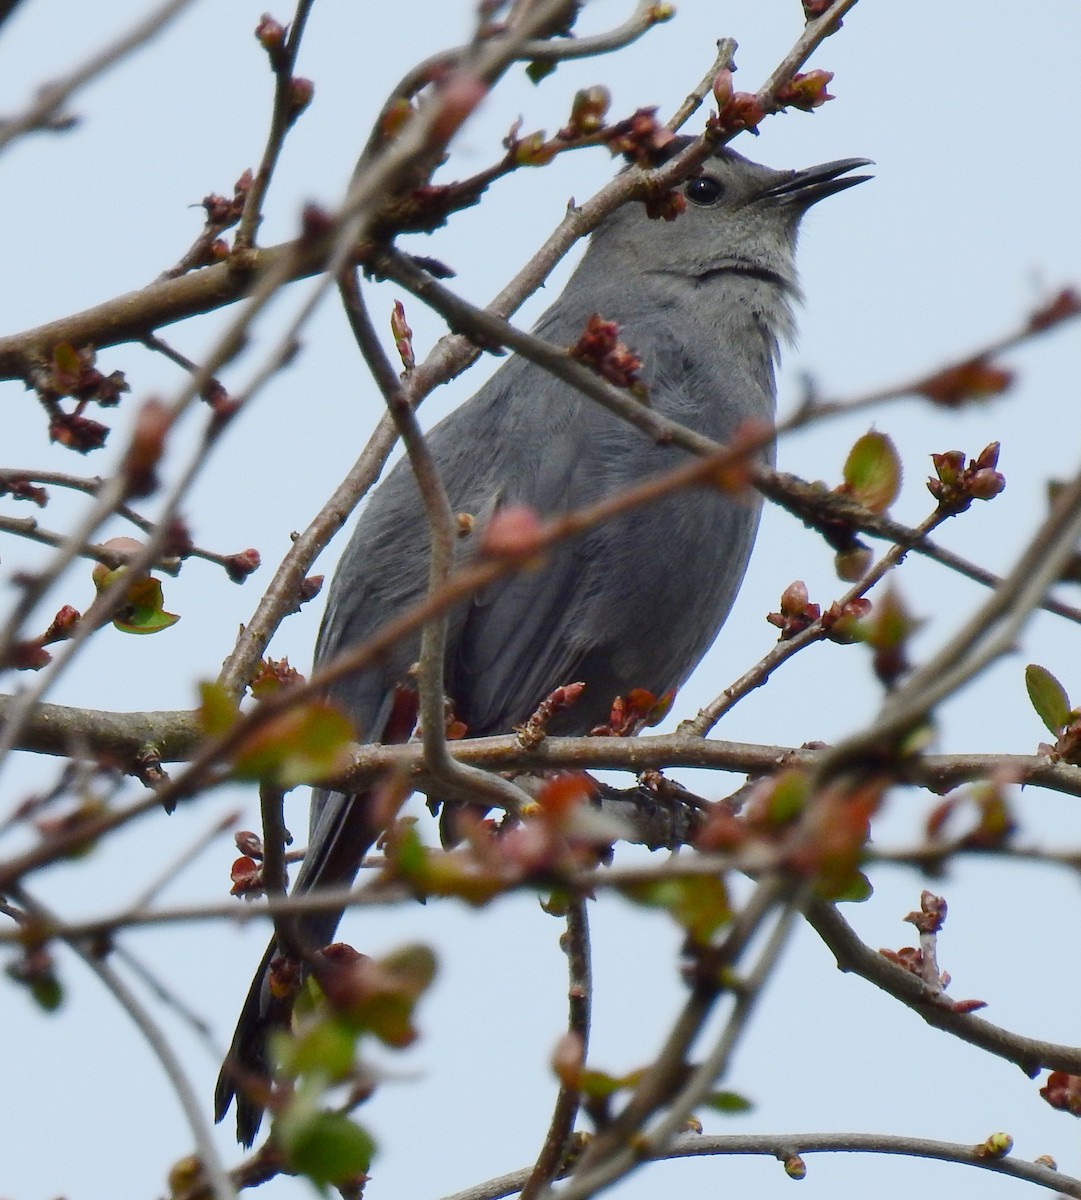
[807, 187]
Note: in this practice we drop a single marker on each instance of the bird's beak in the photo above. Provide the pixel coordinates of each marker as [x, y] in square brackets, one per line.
[807, 187]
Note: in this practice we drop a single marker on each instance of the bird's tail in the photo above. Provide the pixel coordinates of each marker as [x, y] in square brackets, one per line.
[344, 831]
[245, 1073]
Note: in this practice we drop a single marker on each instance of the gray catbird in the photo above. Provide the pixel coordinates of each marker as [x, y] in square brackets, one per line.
[704, 301]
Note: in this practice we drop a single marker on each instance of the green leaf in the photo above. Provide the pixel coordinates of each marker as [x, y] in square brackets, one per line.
[144, 611]
[536, 71]
[326, 1046]
[1048, 697]
[699, 903]
[854, 891]
[217, 710]
[48, 994]
[301, 745]
[788, 796]
[599, 1085]
[327, 1147]
[379, 996]
[872, 471]
[728, 1102]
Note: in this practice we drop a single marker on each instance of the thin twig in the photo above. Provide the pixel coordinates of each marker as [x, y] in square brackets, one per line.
[281, 120]
[182, 861]
[708, 716]
[611, 1153]
[200, 1027]
[579, 1002]
[91, 486]
[202, 1131]
[53, 95]
[558, 50]
[988, 634]
[1030, 1054]
[786, 1146]
[462, 781]
[815, 32]
[726, 49]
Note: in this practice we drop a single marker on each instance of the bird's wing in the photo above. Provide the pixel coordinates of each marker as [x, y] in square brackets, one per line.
[520, 638]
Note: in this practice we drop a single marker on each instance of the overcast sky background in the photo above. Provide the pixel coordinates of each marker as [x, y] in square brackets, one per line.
[969, 110]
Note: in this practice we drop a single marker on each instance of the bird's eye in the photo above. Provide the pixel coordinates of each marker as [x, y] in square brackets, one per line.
[704, 189]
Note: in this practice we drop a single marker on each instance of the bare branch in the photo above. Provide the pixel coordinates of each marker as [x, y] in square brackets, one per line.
[639, 22]
[786, 1146]
[579, 996]
[1030, 1054]
[726, 49]
[283, 114]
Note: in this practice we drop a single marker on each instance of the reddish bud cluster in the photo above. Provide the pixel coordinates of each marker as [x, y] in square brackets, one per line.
[62, 626]
[957, 485]
[178, 542]
[310, 587]
[668, 206]
[240, 565]
[815, 8]
[248, 842]
[272, 676]
[975, 379]
[270, 34]
[23, 489]
[1061, 307]
[631, 713]
[315, 221]
[30, 654]
[220, 403]
[842, 621]
[77, 432]
[797, 613]
[806, 92]
[1063, 1091]
[994, 820]
[922, 962]
[72, 372]
[820, 834]
[640, 138]
[247, 877]
[599, 347]
[301, 92]
[27, 655]
[932, 914]
[887, 631]
[377, 995]
[403, 336]
[735, 110]
[533, 731]
[222, 212]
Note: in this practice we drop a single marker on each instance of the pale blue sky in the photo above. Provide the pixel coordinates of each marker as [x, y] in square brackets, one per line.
[968, 110]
